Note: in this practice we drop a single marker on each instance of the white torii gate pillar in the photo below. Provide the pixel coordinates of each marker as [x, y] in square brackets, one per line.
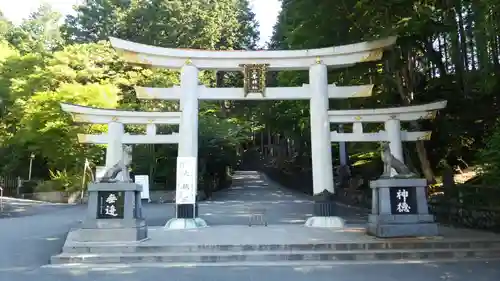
[187, 159]
[114, 149]
[321, 151]
[188, 129]
[393, 129]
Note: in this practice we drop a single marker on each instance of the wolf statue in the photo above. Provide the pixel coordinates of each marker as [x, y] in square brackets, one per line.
[391, 162]
[119, 171]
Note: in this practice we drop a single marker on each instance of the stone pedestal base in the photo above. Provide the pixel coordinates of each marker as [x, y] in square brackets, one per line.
[124, 234]
[186, 211]
[324, 209]
[179, 223]
[325, 212]
[399, 209]
[387, 226]
[329, 222]
[114, 214]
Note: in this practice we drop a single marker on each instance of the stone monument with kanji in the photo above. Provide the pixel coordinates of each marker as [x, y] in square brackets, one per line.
[114, 208]
[399, 202]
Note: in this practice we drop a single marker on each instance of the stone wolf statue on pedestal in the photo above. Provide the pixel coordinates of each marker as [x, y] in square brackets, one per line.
[122, 166]
[391, 162]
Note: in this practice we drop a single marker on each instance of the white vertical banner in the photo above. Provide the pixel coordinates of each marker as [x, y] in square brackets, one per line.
[143, 180]
[187, 177]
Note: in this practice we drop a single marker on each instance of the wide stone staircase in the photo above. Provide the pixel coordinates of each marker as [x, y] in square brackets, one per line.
[278, 243]
[247, 246]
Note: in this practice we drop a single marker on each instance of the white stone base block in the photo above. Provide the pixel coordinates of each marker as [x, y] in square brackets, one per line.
[327, 222]
[177, 223]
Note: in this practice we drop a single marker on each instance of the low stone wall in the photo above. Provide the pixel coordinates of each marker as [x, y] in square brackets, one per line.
[56, 197]
[162, 196]
[168, 196]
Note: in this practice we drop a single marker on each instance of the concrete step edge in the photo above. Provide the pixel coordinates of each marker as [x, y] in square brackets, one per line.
[283, 263]
[264, 253]
[441, 241]
[251, 248]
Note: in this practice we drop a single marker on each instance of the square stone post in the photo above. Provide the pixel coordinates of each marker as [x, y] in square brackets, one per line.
[186, 212]
[321, 151]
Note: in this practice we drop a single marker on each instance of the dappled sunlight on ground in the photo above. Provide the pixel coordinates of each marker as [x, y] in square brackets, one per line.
[236, 205]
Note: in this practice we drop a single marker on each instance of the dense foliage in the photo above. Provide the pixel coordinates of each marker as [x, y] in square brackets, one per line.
[43, 63]
[445, 50]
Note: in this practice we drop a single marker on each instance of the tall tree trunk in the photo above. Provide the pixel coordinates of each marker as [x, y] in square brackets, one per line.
[470, 37]
[478, 16]
[494, 51]
[463, 36]
[495, 44]
[463, 47]
[455, 50]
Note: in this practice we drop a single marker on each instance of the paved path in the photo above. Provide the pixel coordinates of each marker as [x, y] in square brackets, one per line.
[28, 241]
[252, 192]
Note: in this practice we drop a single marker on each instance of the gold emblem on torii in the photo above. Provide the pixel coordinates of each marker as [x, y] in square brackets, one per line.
[254, 76]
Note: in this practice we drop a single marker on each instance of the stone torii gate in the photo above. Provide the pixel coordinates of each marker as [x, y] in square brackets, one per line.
[391, 117]
[254, 65]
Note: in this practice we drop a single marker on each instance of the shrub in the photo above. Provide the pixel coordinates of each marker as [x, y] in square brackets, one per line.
[61, 181]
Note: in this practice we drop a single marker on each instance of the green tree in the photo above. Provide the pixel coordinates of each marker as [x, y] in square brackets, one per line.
[39, 33]
[96, 20]
[208, 24]
[5, 25]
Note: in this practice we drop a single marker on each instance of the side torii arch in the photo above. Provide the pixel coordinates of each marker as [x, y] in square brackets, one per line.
[116, 137]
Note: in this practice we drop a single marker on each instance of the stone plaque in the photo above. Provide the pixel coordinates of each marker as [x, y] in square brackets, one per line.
[110, 204]
[255, 78]
[403, 200]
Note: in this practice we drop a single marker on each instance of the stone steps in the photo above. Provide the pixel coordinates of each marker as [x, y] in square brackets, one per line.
[284, 254]
[396, 244]
[240, 265]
